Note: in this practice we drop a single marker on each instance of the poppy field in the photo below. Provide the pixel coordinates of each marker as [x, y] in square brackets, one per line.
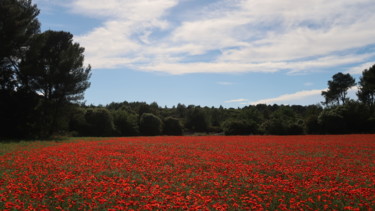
[193, 173]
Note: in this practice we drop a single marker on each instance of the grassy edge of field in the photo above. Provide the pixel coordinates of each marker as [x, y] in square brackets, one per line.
[9, 146]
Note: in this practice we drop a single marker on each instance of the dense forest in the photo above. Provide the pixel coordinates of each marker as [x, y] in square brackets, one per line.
[42, 83]
[139, 118]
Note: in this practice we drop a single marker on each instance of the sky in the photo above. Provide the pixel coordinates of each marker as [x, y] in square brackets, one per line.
[229, 53]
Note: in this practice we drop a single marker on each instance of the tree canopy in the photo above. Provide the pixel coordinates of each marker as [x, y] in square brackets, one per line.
[366, 92]
[53, 67]
[18, 23]
[337, 88]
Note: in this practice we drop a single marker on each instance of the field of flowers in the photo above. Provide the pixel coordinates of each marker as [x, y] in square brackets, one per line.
[193, 173]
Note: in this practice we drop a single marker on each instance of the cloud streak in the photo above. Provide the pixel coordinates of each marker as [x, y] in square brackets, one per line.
[314, 96]
[236, 100]
[286, 98]
[360, 68]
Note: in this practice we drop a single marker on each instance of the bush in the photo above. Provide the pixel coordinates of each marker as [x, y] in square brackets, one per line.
[78, 124]
[125, 124]
[237, 127]
[172, 126]
[100, 122]
[150, 125]
[332, 121]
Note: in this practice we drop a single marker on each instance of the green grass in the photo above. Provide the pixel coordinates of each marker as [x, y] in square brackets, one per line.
[8, 146]
[12, 146]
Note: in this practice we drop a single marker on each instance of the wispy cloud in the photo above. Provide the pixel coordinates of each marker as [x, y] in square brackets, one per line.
[291, 98]
[360, 68]
[304, 97]
[246, 35]
[236, 100]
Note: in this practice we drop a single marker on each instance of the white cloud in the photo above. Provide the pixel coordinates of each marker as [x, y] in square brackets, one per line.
[360, 68]
[305, 97]
[245, 35]
[127, 10]
[209, 67]
[124, 35]
[236, 100]
[293, 98]
[178, 68]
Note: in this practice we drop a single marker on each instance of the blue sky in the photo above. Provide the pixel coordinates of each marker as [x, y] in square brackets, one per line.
[216, 52]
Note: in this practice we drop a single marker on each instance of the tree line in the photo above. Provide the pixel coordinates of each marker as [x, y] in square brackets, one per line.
[140, 118]
[43, 79]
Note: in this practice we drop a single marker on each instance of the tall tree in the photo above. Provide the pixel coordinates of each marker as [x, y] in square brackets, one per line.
[53, 68]
[366, 92]
[337, 88]
[18, 23]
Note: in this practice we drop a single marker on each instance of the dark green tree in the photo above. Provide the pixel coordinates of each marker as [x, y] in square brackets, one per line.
[172, 126]
[238, 127]
[283, 121]
[197, 119]
[78, 125]
[332, 120]
[337, 88]
[181, 110]
[126, 124]
[366, 92]
[311, 124]
[150, 125]
[18, 23]
[100, 122]
[358, 117]
[53, 68]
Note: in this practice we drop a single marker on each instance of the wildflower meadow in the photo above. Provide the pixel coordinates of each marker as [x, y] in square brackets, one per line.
[192, 173]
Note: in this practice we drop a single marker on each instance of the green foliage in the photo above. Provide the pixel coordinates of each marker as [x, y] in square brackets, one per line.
[238, 127]
[353, 117]
[312, 125]
[357, 117]
[78, 124]
[150, 125]
[366, 92]
[125, 124]
[197, 119]
[41, 74]
[99, 122]
[181, 110]
[283, 121]
[172, 126]
[18, 23]
[332, 120]
[53, 67]
[337, 88]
